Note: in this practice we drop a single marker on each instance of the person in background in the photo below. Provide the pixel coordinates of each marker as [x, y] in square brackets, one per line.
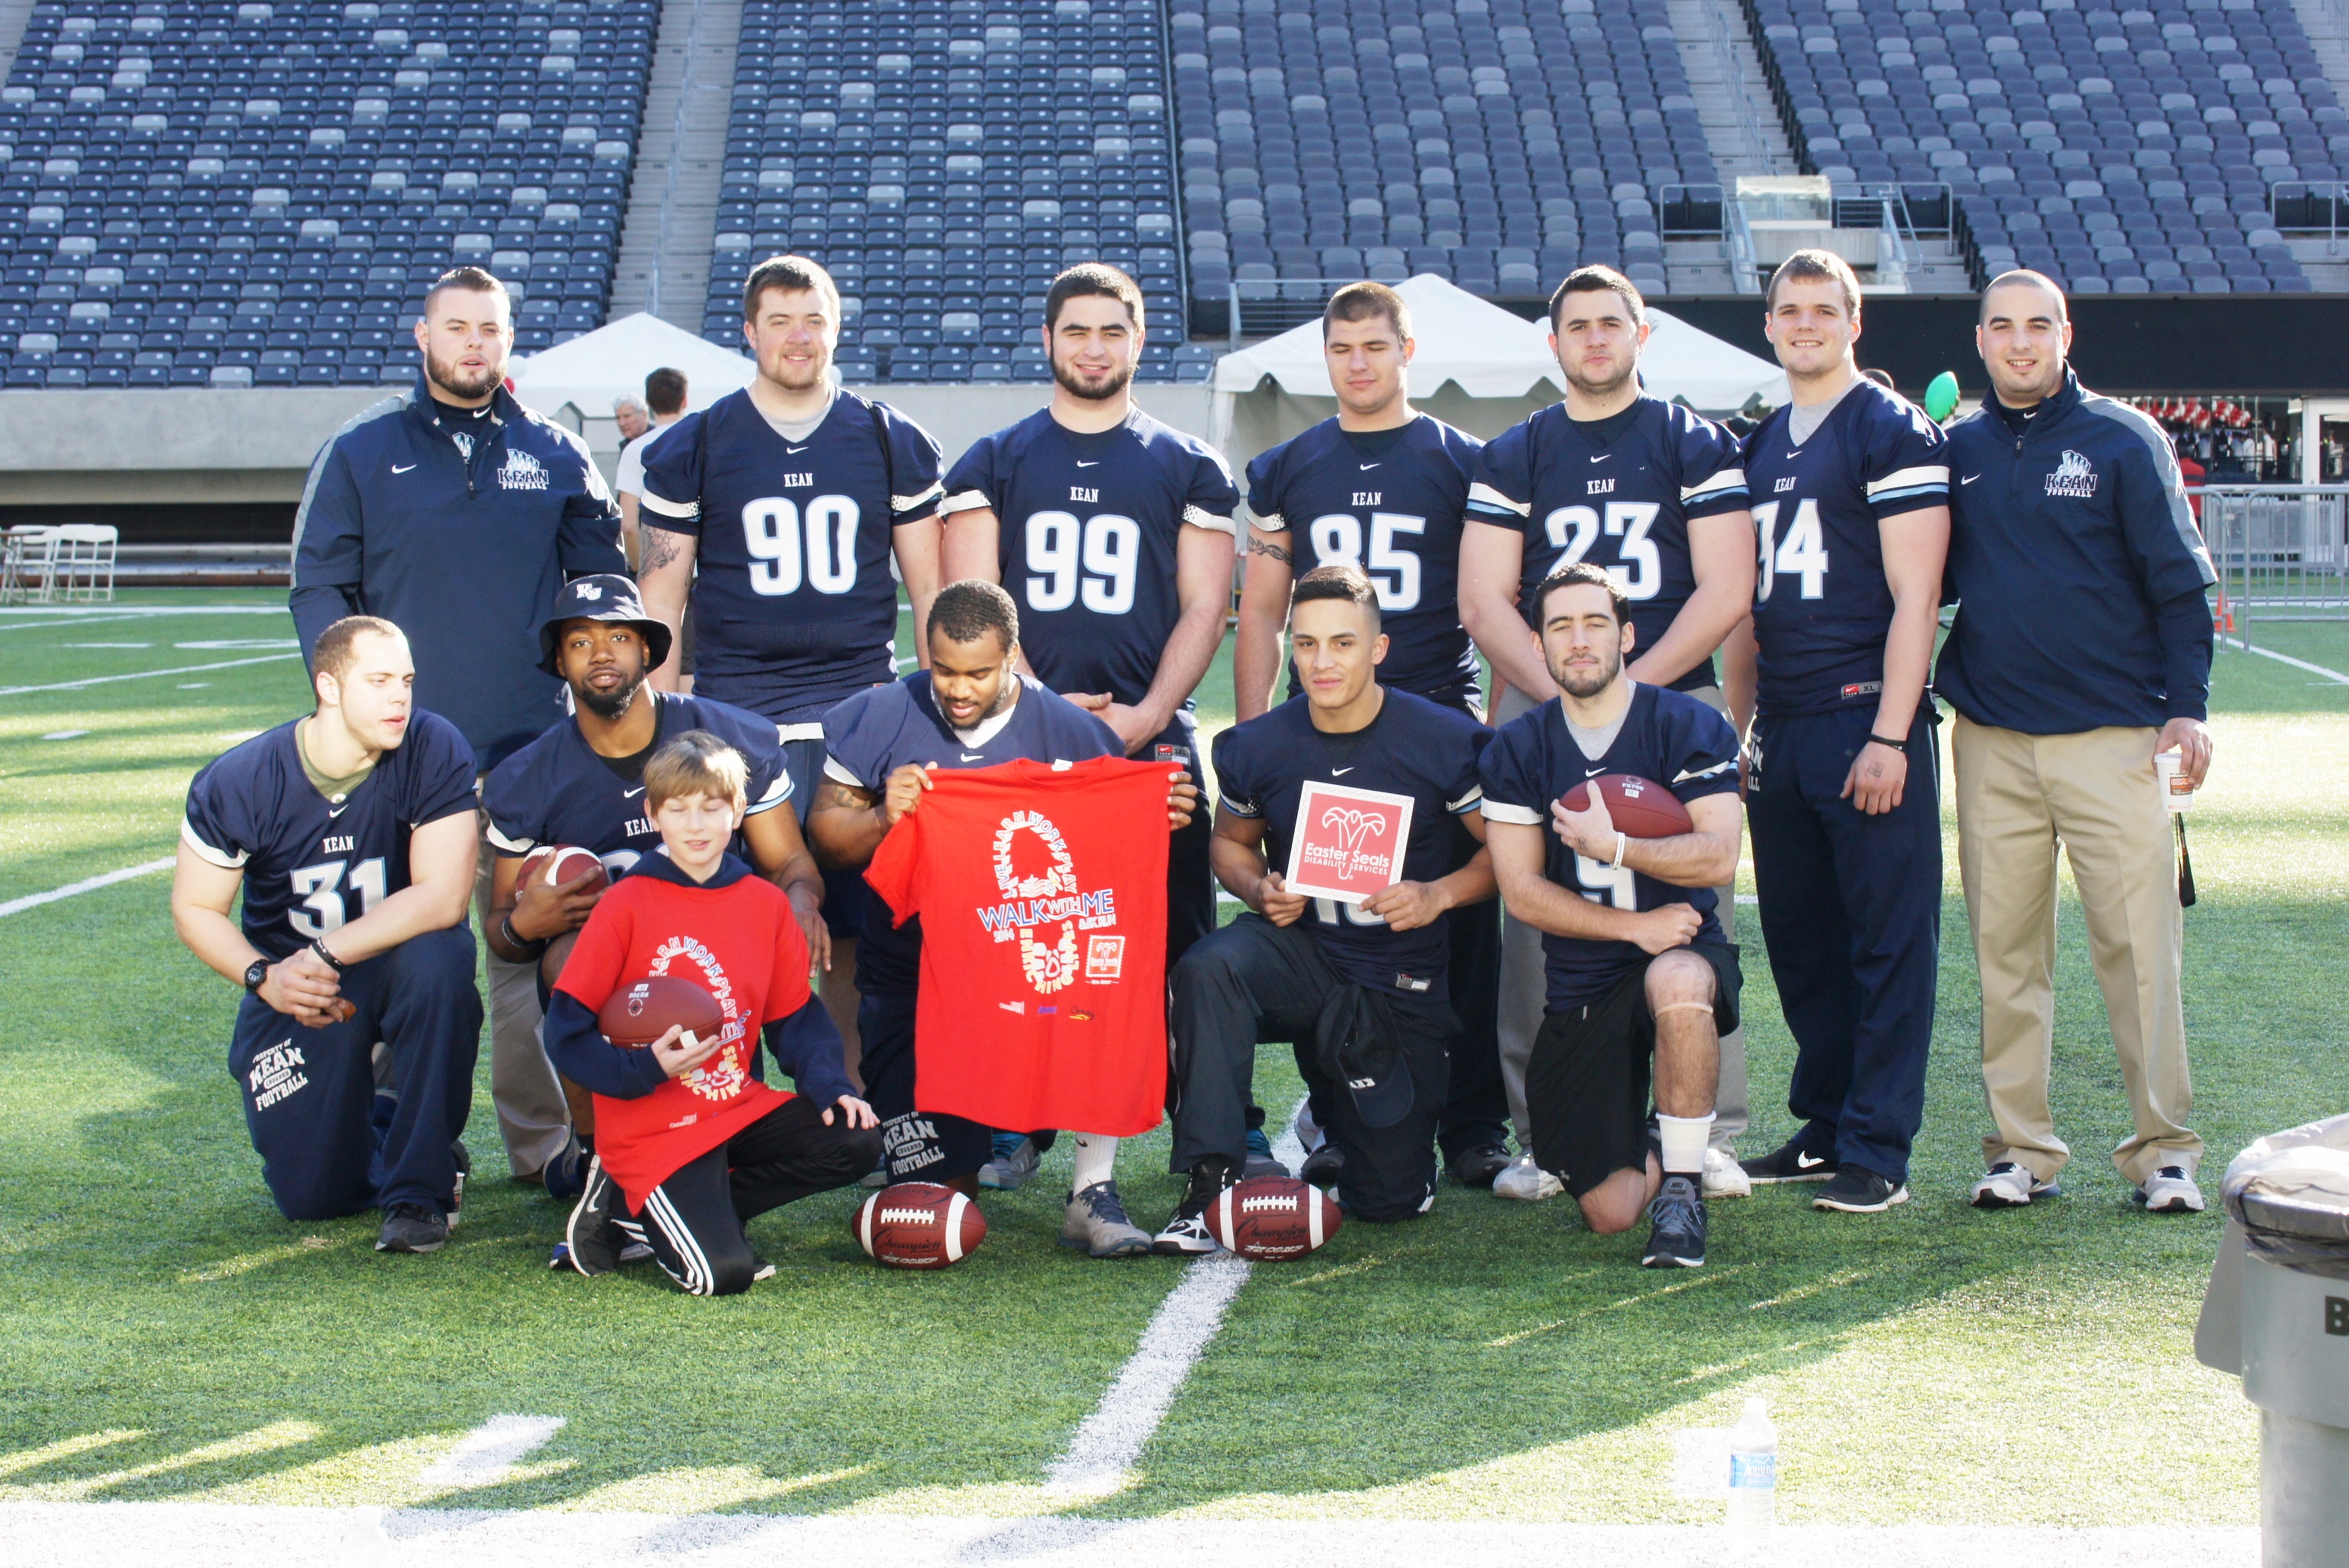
[629, 412]
[665, 395]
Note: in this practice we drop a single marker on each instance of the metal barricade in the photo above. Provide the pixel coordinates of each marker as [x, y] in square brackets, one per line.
[2281, 552]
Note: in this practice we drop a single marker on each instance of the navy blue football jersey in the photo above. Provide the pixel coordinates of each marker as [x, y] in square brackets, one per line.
[1618, 492]
[1391, 502]
[311, 866]
[1414, 747]
[557, 791]
[1088, 525]
[794, 604]
[879, 730]
[1668, 736]
[1821, 606]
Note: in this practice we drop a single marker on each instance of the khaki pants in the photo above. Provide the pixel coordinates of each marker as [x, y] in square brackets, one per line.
[2018, 796]
[1523, 985]
[533, 1119]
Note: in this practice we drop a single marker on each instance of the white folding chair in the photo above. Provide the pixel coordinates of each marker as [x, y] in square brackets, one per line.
[84, 565]
[27, 564]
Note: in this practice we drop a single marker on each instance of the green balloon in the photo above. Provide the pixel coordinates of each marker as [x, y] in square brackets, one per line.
[1941, 396]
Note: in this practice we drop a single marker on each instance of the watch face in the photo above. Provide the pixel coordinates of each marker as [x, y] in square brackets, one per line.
[256, 974]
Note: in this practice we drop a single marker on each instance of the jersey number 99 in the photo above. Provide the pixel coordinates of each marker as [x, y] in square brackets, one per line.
[773, 533]
[1338, 537]
[1101, 554]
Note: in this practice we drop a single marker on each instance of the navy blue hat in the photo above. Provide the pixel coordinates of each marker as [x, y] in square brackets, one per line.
[604, 596]
[1360, 1046]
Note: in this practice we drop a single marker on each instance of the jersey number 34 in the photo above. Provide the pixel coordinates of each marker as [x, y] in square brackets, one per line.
[1801, 553]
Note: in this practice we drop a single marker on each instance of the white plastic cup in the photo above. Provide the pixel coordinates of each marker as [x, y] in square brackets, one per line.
[2176, 787]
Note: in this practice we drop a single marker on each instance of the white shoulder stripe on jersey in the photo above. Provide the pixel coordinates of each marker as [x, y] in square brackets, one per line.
[799, 732]
[1722, 479]
[908, 503]
[1199, 517]
[1271, 522]
[1720, 766]
[965, 500]
[834, 770]
[1523, 816]
[220, 858]
[677, 508]
[511, 846]
[777, 793]
[1459, 808]
[1238, 808]
[1921, 477]
[1488, 496]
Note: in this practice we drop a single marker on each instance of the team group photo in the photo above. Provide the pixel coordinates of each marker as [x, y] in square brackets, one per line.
[1024, 940]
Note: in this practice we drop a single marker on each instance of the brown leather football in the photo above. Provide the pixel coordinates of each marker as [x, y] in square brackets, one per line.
[641, 1011]
[918, 1225]
[1641, 807]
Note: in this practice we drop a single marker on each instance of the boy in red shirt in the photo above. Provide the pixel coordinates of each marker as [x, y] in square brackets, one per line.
[690, 1141]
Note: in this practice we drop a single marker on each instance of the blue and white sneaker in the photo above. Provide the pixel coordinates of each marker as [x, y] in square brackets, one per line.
[1260, 1159]
[1014, 1161]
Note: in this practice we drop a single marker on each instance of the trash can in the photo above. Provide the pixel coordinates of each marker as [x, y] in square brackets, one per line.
[2277, 1312]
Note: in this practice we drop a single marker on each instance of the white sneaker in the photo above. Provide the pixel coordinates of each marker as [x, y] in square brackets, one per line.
[1308, 1132]
[1527, 1181]
[1725, 1177]
[2171, 1191]
[2010, 1185]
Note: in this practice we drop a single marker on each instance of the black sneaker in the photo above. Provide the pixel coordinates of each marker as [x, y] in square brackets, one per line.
[1186, 1234]
[1321, 1167]
[1789, 1163]
[1675, 1226]
[565, 1175]
[1857, 1189]
[413, 1228]
[1477, 1167]
[592, 1232]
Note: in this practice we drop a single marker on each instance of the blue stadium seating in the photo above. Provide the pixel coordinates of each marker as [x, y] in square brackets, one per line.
[944, 158]
[2121, 150]
[234, 194]
[1497, 143]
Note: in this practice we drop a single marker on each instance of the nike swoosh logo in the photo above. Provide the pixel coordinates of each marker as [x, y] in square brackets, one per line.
[1969, 478]
[1592, 772]
[1808, 1161]
[974, 757]
[1368, 467]
[1602, 456]
[1094, 464]
[397, 470]
[632, 794]
[794, 450]
[1796, 453]
[1334, 772]
[337, 811]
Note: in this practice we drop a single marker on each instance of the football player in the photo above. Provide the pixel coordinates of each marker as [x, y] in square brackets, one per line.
[778, 509]
[1841, 764]
[1383, 486]
[350, 833]
[1636, 971]
[1656, 494]
[971, 708]
[1361, 988]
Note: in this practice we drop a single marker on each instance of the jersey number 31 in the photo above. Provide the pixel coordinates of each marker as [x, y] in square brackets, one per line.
[321, 891]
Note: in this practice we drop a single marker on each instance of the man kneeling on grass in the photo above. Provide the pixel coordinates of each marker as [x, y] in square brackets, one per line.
[691, 1142]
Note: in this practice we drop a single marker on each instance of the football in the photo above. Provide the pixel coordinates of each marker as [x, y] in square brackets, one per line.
[1272, 1219]
[1641, 807]
[560, 863]
[641, 1011]
[919, 1226]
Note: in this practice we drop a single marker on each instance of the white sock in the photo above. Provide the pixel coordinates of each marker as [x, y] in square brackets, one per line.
[1684, 1137]
[1096, 1160]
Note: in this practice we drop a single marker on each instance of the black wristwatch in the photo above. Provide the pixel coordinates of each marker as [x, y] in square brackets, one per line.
[255, 973]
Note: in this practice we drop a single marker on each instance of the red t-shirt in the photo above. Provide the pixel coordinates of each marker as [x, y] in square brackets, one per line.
[740, 943]
[1042, 894]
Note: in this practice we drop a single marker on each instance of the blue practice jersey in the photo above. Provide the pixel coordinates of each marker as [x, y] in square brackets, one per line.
[1667, 736]
[1087, 543]
[557, 791]
[1618, 492]
[311, 865]
[1391, 502]
[794, 604]
[878, 731]
[1821, 604]
[1415, 749]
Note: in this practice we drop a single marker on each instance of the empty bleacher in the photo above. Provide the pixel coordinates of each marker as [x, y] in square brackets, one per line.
[943, 161]
[2119, 147]
[257, 193]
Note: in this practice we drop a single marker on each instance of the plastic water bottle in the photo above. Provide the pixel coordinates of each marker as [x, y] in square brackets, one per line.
[1754, 1469]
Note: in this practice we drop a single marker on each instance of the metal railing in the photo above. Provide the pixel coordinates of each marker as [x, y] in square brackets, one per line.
[2281, 552]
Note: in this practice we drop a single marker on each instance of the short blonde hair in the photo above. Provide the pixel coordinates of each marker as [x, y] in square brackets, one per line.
[697, 763]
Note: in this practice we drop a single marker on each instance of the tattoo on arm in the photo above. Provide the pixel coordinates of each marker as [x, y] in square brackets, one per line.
[660, 546]
[832, 795]
[1259, 547]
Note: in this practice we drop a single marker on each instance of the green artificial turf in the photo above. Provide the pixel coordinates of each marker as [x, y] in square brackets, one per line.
[165, 1334]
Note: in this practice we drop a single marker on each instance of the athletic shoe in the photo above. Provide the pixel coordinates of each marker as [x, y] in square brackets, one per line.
[1260, 1159]
[760, 1269]
[1528, 1182]
[1675, 1226]
[1097, 1223]
[1309, 1136]
[1725, 1177]
[2171, 1191]
[1479, 1166]
[1186, 1234]
[1788, 1163]
[2010, 1185]
[878, 1177]
[1321, 1168]
[595, 1237]
[1857, 1189]
[1014, 1161]
[565, 1175]
[416, 1228]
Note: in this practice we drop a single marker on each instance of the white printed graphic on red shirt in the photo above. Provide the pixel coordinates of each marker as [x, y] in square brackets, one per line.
[1037, 878]
[726, 1073]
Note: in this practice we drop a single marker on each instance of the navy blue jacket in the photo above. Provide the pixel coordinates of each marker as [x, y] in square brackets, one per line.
[2078, 571]
[462, 551]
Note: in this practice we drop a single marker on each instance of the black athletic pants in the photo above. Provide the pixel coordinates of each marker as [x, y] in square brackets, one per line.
[1477, 1114]
[694, 1220]
[1254, 982]
[923, 1146]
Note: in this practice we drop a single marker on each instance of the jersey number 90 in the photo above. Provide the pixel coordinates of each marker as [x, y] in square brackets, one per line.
[787, 550]
[1097, 557]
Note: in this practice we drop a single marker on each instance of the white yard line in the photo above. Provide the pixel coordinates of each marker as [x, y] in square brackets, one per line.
[52, 613]
[2287, 659]
[486, 1456]
[87, 884]
[1100, 1457]
[75, 620]
[149, 675]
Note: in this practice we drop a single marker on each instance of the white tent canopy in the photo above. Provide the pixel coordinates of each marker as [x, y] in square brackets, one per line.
[593, 369]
